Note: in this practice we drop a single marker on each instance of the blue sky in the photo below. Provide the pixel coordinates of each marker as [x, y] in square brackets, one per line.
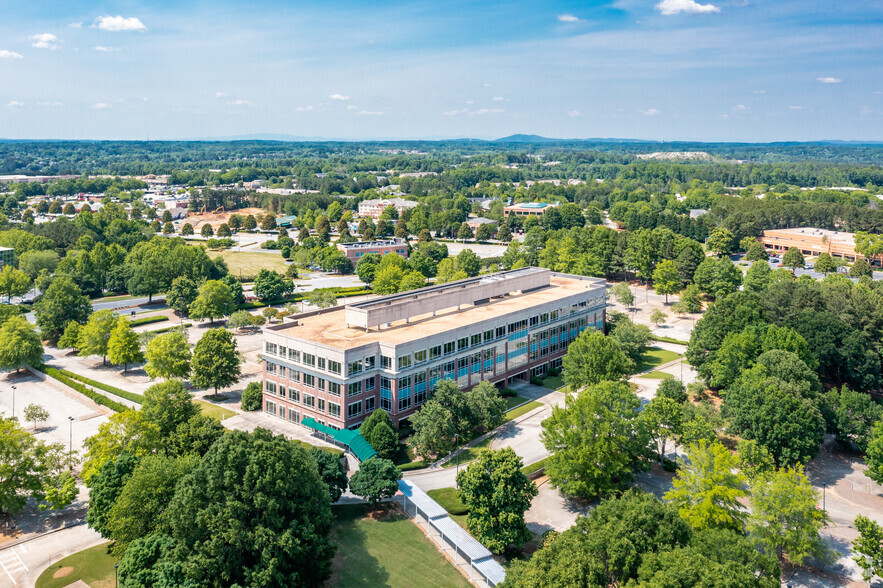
[716, 70]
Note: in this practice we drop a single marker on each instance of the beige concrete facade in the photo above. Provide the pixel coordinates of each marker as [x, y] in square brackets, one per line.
[811, 241]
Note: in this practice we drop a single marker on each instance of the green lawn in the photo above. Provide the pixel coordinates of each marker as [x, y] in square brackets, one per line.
[514, 413]
[553, 382]
[471, 453]
[213, 410]
[249, 263]
[390, 552]
[94, 566]
[449, 499]
[657, 375]
[532, 467]
[654, 356]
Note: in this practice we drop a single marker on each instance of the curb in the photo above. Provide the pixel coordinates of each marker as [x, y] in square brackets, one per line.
[16, 542]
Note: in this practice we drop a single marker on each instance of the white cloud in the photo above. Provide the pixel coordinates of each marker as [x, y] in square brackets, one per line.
[568, 18]
[5, 54]
[482, 111]
[352, 107]
[795, 108]
[669, 7]
[305, 108]
[649, 112]
[119, 23]
[240, 102]
[49, 104]
[220, 94]
[740, 108]
[44, 41]
[486, 85]
[499, 99]
[470, 102]
[759, 92]
[75, 25]
[14, 104]
[574, 113]
[340, 97]
[105, 48]
[100, 105]
[829, 80]
[370, 113]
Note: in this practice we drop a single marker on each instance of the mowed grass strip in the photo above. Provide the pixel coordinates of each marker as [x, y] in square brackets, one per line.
[391, 552]
[653, 357]
[213, 410]
[94, 566]
[249, 263]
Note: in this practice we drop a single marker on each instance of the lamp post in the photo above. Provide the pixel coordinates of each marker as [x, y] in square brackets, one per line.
[457, 441]
[13, 402]
[116, 576]
[824, 496]
[70, 447]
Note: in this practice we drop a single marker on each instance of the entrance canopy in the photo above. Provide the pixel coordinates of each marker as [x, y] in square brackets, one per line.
[352, 440]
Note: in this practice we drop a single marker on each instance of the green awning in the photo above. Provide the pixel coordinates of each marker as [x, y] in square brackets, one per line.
[352, 439]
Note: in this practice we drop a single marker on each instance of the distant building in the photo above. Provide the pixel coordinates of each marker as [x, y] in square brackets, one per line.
[527, 209]
[285, 221]
[374, 208]
[337, 365]
[697, 212]
[177, 212]
[20, 179]
[7, 256]
[353, 251]
[474, 223]
[812, 241]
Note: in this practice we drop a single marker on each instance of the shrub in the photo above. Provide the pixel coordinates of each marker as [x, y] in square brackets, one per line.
[508, 393]
[148, 320]
[251, 396]
[98, 398]
[536, 381]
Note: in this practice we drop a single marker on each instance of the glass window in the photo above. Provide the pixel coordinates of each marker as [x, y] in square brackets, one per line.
[309, 400]
[294, 395]
[369, 383]
[321, 384]
[321, 363]
[370, 362]
[501, 332]
[334, 388]
[369, 404]
[334, 409]
[310, 380]
[320, 404]
[553, 315]
[404, 403]
[293, 416]
[270, 348]
[354, 389]
[489, 335]
[282, 391]
[385, 362]
[435, 352]
[294, 355]
[449, 347]
[271, 367]
[404, 362]
[420, 356]
[355, 367]
[475, 340]
[270, 387]
[294, 375]
[309, 359]
[334, 367]
[404, 383]
[354, 409]
[462, 343]
[282, 351]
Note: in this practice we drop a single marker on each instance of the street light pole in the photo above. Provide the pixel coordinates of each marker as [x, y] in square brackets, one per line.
[824, 496]
[116, 576]
[13, 402]
[70, 448]
[457, 441]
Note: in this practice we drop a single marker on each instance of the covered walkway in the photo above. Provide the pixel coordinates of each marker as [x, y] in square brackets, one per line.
[344, 438]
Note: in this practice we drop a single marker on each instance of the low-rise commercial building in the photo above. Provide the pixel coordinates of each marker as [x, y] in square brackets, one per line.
[374, 208]
[354, 251]
[813, 242]
[338, 365]
[527, 209]
[7, 256]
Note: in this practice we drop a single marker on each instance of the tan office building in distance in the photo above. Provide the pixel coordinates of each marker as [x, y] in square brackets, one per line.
[338, 365]
[813, 242]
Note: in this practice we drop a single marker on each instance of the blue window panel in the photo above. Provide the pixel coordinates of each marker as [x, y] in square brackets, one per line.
[385, 393]
[433, 382]
[533, 346]
[476, 367]
[420, 387]
[405, 392]
[489, 364]
[462, 372]
[544, 343]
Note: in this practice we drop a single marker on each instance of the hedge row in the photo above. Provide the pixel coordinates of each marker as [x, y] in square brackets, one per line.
[98, 398]
[149, 319]
[167, 329]
[112, 389]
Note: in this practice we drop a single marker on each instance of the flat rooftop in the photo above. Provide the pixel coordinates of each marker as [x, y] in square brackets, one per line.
[330, 328]
[840, 237]
[533, 205]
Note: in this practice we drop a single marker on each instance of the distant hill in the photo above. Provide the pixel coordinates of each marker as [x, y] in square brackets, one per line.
[521, 138]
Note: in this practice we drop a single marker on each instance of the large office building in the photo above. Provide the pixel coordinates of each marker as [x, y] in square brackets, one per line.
[355, 250]
[811, 241]
[339, 364]
[527, 209]
[7, 256]
[374, 208]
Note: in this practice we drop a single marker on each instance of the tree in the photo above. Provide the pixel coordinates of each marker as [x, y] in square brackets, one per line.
[756, 252]
[469, 262]
[387, 280]
[187, 229]
[20, 345]
[272, 491]
[855, 414]
[412, 281]
[504, 234]
[27, 465]
[71, 336]
[869, 547]
[623, 294]
[434, 429]
[271, 285]
[104, 489]
[373, 420]
[181, 294]
[206, 231]
[252, 397]
[250, 223]
[69, 209]
[464, 232]
[33, 262]
[236, 290]
[167, 405]
[825, 264]
[497, 494]
[707, 488]
[485, 232]
[717, 278]
[691, 302]
[793, 258]
[595, 440]
[168, 356]
[331, 470]
[785, 518]
[592, 358]
[632, 339]
[268, 223]
[216, 363]
[605, 548]
[861, 268]
[658, 317]
[757, 278]
[721, 241]
[95, 334]
[754, 459]
[61, 303]
[213, 301]
[138, 510]
[13, 282]
[168, 228]
[662, 421]
[123, 346]
[485, 407]
[376, 479]
[672, 388]
[36, 413]
[224, 230]
[874, 454]
[322, 298]
[384, 440]
[666, 279]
